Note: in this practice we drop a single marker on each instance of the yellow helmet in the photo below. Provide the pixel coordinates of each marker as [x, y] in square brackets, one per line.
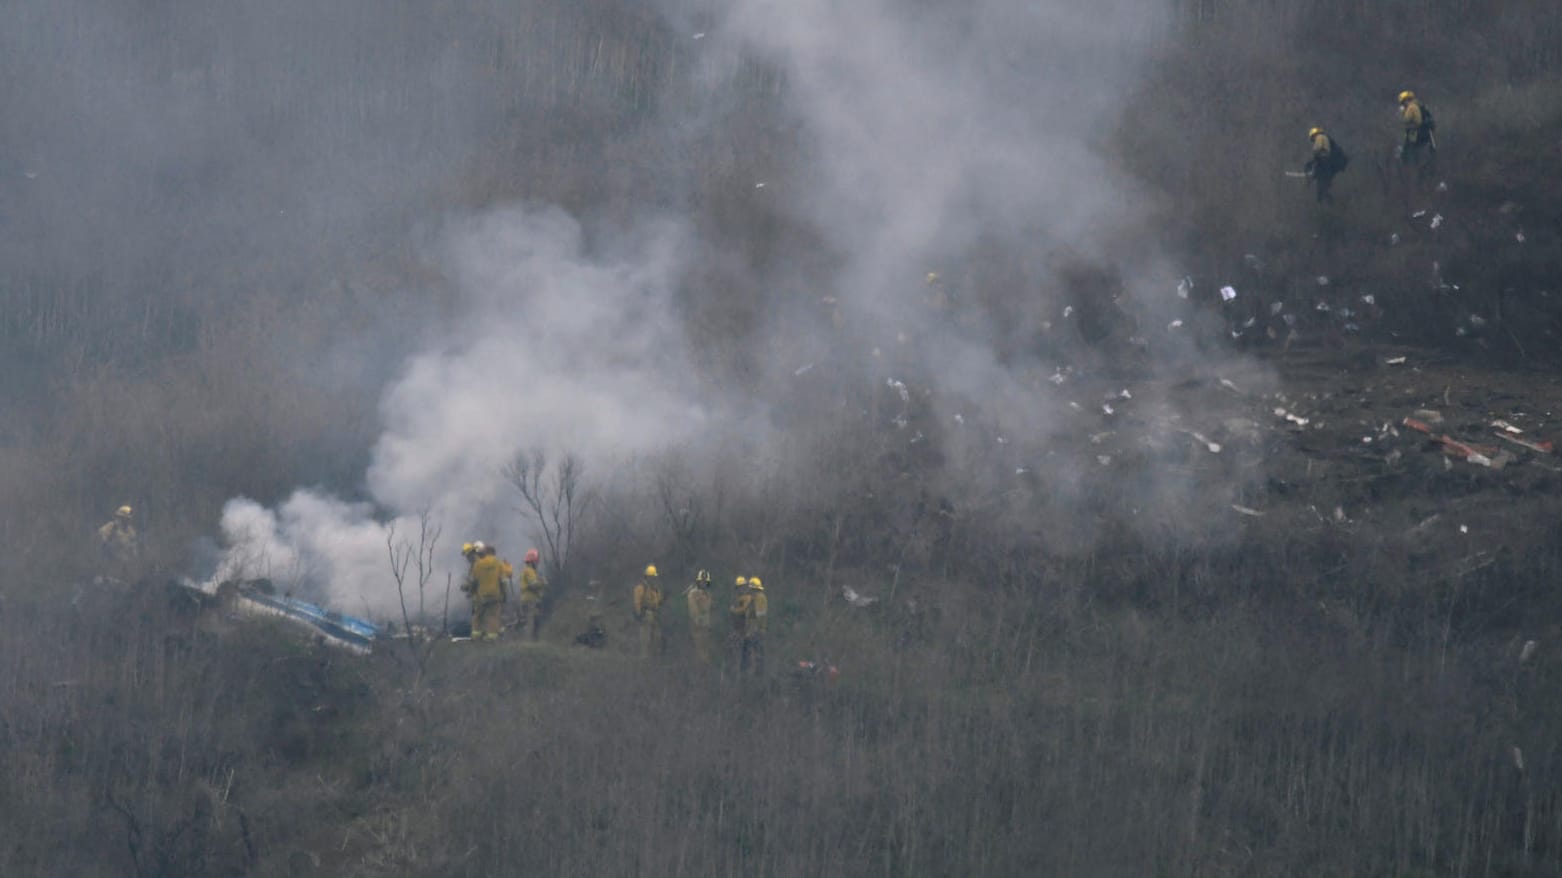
[754, 583]
[1407, 96]
[1314, 132]
[467, 548]
[741, 581]
[702, 576]
[650, 570]
[122, 512]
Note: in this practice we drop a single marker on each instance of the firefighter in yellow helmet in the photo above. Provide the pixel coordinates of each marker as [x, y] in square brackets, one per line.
[735, 619]
[699, 615]
[648, 612]
[119, 543]
[750, 613]
[533, 588]
[1417, 127]
[483, 586]
[1327, 160]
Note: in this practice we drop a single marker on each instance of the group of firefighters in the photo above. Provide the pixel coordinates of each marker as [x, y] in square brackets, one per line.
[1418, 142]
[490, 580]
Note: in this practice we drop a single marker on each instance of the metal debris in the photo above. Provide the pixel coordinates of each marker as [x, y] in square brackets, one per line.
[1394, 361]
[1184, 287]
[1246, 510]
[1437, 220]
[1528, 652]
[1227, 293]
[855, 598]
[1298, 420]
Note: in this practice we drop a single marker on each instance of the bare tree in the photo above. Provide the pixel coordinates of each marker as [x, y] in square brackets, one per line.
[414, 562]
[554, 498]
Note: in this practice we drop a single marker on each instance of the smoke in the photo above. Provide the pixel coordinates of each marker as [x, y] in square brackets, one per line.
[964, 141]
[560, 347]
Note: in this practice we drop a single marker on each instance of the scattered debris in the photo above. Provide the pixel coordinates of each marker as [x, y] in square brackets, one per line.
[1104, 459]
[1058, 378]
[1227, 293]
[1437, 220]
[1537, 447]
[856, 599]
[1246, 510]
[759, 185]
[1520, 236]
[1394, 361]
[1298, 420]
[1230, 385]
[700, 35]
[1518, 758]
[1323, 280]
[803, 371]
[1430, 416]
[1106, 409]
[1214, 447]
[1505, 426]
[900, 388]
[1393, 240]
[1528, 652]
[1442, 186]
[1418, 214]
[1175, 324]
[1068, 310]
[1184, 287]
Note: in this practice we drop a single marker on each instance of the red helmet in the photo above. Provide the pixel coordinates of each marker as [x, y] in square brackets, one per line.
[532, 556]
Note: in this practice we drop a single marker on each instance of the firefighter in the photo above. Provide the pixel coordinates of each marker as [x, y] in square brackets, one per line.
[1324, 164]
[735, 614]
[483, 586]
[648, 609]
[1415, 121]
[118, 541]
[533, 587]
[756, 610]
[699, 615]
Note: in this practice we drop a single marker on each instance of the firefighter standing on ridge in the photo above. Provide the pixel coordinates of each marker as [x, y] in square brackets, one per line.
[749, 616]
[1418, 139]
[1328, 159]
[699, 615]
[484, 588]
[118, 541]
[532, 589]
[735, 618]
[648, 609]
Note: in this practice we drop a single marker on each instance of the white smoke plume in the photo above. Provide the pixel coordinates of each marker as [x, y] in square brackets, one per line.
[557, 349]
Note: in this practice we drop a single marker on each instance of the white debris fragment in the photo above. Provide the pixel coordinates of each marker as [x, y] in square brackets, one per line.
[1068, 310]
[1322, 306]
[1477, 321]
[917, 438]
[1124, 394]
[1020, 471]
[1528, 651]
[1276, 307]
[1184, 287]
[31, 175]
[1075, 406]
[1464, 528]
[959, 418]
[1230, 385]
[1213, 447]
[1175, 324]
[1370, 299]
[1002, 441]
[1518, 759]
[1227, 293]
[900, 388]
[1394, 361]
[1106, 409]
[855, 598]
[1058, 378]
[1520, 236]
[1507, 427]
[760, 185]
[700, 35]
[1393, 240]
[1322, 280]
[1298, 420]
[1418, 214]
[1339, 514]
[1246, 510]
[1098, 438]
[1442, 186]
[803, 371]
[1437, 220]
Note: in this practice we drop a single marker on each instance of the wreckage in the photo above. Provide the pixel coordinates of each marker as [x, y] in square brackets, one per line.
[256, 598]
